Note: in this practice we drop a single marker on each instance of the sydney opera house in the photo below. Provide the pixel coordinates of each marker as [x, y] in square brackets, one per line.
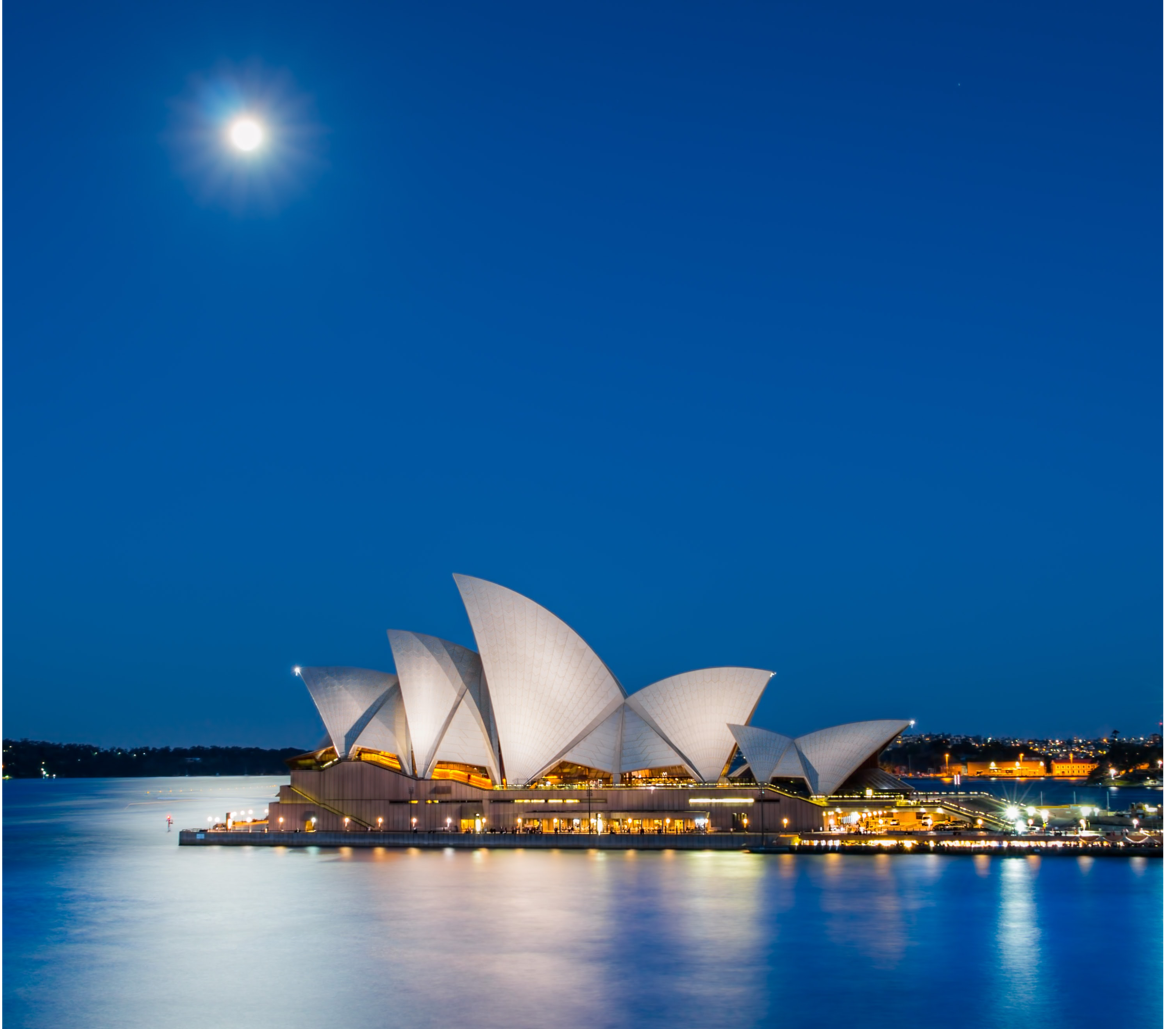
[534, 733]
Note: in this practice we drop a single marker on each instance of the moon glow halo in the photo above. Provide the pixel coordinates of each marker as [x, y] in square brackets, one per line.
[246, 134]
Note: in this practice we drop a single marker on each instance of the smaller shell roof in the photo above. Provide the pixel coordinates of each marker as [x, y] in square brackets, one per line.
[449, 718]
[692, 711]
[831, 755]
[824, 759]
[347, 700]
[763, 750]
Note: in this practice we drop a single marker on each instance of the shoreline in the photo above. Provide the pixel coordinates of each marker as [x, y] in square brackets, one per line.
[755, 843]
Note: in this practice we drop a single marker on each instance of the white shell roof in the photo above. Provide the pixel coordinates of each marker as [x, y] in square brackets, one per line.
[642, 746]
[762, 749]
[547, 687]
[347, 700]
[824, 759]
[601, 747]
[465, 741]
[692, 711]
[443, 693]
[387, 729]
[789, 766]
[535, 695]
[623, 742]
[831, 755]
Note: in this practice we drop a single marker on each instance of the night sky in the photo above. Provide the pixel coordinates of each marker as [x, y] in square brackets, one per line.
[822, 338]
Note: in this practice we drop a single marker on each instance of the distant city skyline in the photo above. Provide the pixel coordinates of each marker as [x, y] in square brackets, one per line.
[816, 340]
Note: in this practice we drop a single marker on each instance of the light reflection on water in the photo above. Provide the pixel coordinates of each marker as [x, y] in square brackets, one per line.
[108, 923]
[1018, 934]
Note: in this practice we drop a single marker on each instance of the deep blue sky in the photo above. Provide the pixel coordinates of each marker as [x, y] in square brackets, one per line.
[820, 338]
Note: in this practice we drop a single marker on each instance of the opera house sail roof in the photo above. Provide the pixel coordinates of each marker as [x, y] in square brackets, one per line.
[823, 759]
[444, 694]
[547, 686]
[693, 710]
[351, 702]
[537, 698]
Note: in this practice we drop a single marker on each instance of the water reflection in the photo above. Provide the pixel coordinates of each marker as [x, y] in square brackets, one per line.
[869, 907]
[1018, 935]
[714, 902]
[107, 922]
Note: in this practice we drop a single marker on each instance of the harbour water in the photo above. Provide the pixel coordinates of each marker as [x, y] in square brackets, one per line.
[107, 922]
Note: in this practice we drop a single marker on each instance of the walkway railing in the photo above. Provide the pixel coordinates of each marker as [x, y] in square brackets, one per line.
[327, 807]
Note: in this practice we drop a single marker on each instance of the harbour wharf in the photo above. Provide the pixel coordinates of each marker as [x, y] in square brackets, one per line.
[500, 840]
[769, 843]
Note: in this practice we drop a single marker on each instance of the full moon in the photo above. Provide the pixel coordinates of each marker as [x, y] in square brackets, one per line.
[246, 133]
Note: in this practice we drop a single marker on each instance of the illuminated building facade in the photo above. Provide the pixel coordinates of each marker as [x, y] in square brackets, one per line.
[1017, 769]
[1072, 768]
[535, 733]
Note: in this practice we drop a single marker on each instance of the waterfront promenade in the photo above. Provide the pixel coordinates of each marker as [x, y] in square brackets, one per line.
[1003, 845]
[475, 841]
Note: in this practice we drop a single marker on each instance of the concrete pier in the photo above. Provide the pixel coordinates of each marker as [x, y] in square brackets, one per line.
[769, 843]
[474, 841]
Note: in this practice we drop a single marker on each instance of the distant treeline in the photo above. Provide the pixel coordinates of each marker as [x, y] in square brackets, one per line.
[36, 759]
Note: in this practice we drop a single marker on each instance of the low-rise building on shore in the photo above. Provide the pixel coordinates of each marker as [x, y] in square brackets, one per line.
[1017, 769]
[1072, 768]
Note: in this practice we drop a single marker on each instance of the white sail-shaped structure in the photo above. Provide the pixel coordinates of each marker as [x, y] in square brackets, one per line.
[466, 741]
[547, 687]
[537, 695]
[762, 749]
[676, 721]
[823, 759]
[623, 743]
[830, 756]
[348, 700]
[692, 711]
[449, 716]
[643, 747]
[387, 729]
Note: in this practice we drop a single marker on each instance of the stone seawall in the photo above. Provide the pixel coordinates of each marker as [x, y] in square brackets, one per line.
[472, 841]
